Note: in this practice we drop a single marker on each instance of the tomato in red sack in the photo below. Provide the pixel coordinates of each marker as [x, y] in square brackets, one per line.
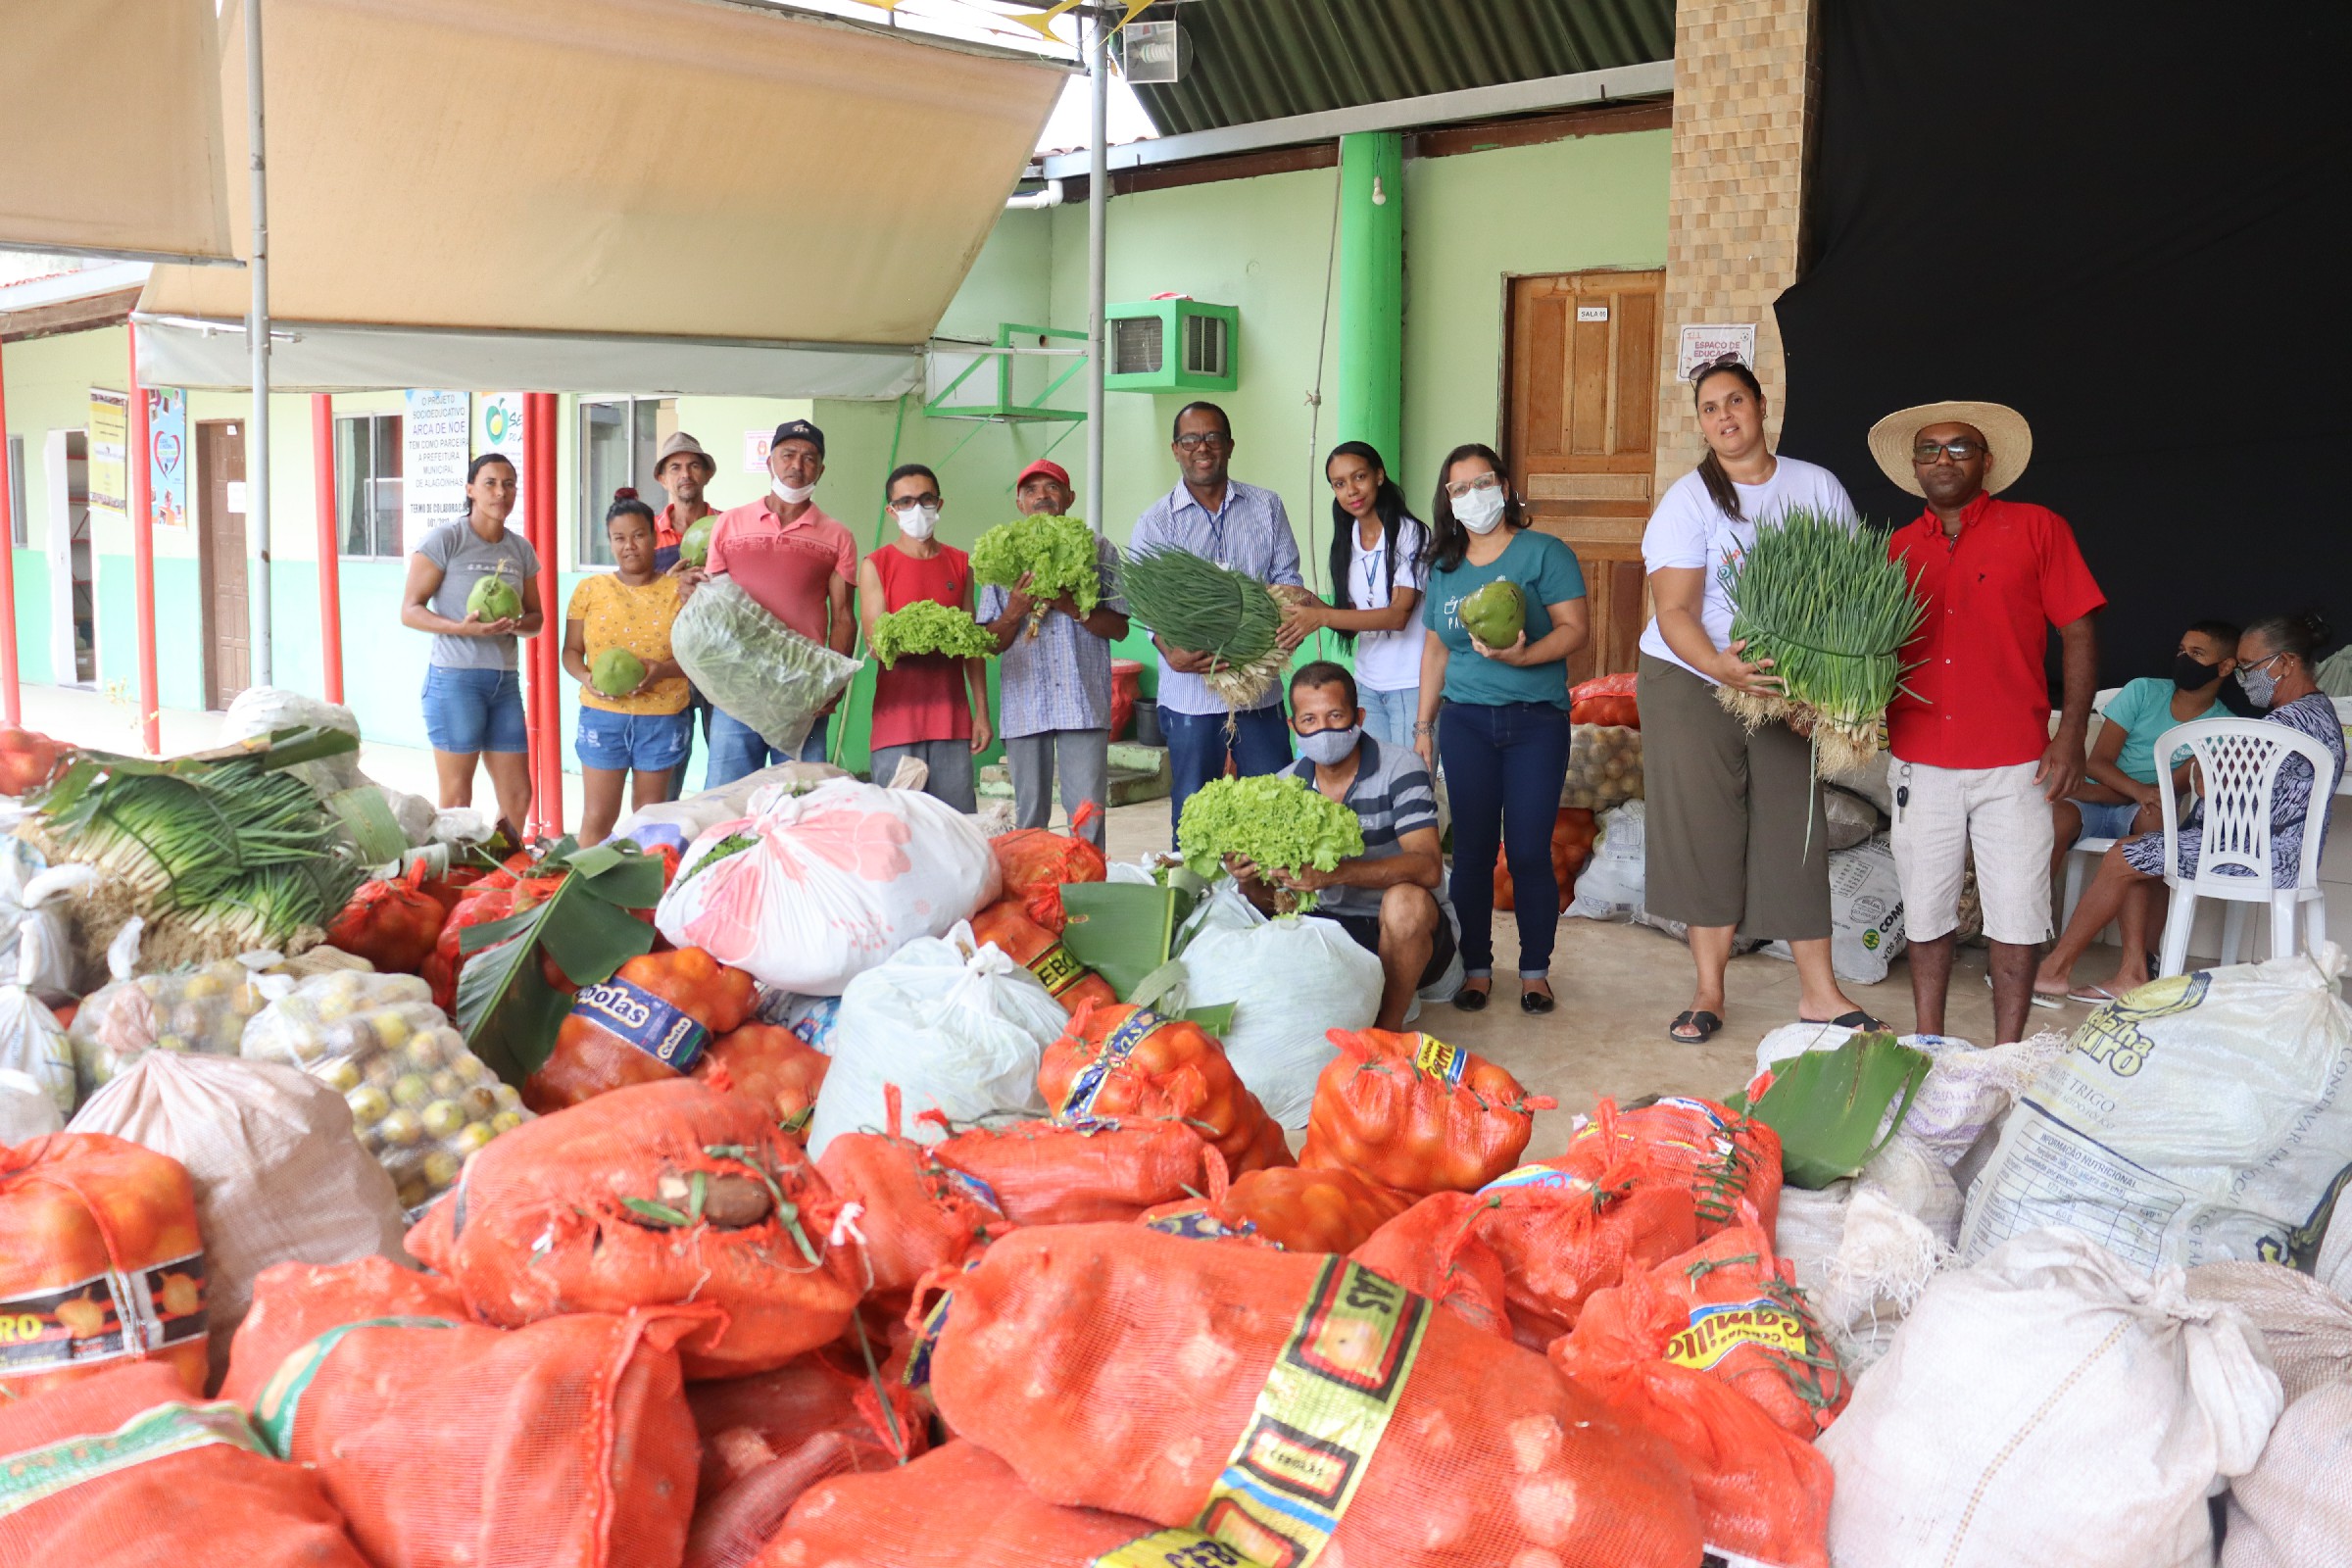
[495, 896]
[652, 1021]
[652, 1196]
[1040, 952]
[394, 925]
[1719, 1157]
[915, 1213]
[1414, 1114]
[1121, 1061]
[449, 888]
[28, 759]
[1572, 835]
[1434, 1250]
[1309, 1210]
[1072, 1172]
[769, 1065]
[1604, 700]
[1035, 864]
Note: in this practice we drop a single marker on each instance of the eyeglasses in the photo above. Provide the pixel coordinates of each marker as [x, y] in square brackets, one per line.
[1959, 450]
[1721, 362]
[1201, 440]
[908, 503]
[1462, 487]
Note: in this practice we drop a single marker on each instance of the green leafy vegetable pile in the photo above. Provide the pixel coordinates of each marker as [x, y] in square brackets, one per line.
[927, 626]
[1059, 553]
[1273, 820]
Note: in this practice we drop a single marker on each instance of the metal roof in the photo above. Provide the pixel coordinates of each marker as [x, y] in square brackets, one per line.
[1251, 60]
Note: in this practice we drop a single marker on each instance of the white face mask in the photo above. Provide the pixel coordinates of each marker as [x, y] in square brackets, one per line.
[1481, 509]
[792, 495]
[917, 522]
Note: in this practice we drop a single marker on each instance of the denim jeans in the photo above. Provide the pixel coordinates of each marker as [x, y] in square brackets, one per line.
[1197, 748]
[1504, 766]
[1388, 716]
[737, 749]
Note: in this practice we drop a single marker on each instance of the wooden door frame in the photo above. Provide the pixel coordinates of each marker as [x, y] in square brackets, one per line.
[200, 489]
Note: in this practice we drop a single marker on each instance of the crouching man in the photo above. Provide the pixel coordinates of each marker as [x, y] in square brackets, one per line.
[1387, 898]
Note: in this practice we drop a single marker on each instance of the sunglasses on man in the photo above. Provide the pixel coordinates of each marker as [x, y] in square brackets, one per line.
[1959, 448]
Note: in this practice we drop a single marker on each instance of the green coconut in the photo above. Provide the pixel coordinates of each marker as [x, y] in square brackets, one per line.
[1495, 614]
[693, 545]
[494, 598]
[616, 673]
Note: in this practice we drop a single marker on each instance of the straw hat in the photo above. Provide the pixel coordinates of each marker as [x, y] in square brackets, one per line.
[682, 442]
[2005, 431]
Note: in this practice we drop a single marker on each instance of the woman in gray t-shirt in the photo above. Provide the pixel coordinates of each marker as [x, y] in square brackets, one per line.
[473, 693]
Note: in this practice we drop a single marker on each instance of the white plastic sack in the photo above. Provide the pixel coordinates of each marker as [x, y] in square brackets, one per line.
[678, 823]
[811, 891]
[955, 1026]
[753, 666]
[2048, 1406]
[37, 944]
[1966, 1090]
[1866, 912]
[258, 709]
[1290, 981]
[32, 1046]
[1614, 882]
[280, 1176]
[25, 1109]
[2196, 1119]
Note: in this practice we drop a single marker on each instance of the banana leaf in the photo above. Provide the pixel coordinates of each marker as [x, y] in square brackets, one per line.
[1828, 1105]
[1123, 931]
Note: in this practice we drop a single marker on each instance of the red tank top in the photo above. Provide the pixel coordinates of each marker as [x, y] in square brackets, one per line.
[923, 698]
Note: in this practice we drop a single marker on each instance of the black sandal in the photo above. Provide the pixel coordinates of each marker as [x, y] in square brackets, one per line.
[1706, 1023]
[1856, 1019]
[1469, 1001]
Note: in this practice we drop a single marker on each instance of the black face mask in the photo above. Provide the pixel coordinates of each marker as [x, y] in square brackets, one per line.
[2189, 673]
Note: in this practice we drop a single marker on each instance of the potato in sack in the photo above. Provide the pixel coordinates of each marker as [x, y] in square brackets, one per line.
[101, 1261]
[1036, 862]
[393, 924]
[1309, 1210]
[1720, 1156]
[915, 1213]
[1433, 1249]
[1561, 1238]
[769, 1065]
[1121, 1061]
[651, 1022]
[1039, 952]
[293, 1303]
[1295, 1408]
[1412, 1112]
[1076, 1172]
[652, 1196]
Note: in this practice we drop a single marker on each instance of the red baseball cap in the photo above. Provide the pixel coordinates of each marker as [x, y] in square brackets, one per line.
[1051, 470]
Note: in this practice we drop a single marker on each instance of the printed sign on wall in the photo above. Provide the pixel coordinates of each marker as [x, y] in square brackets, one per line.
[437, 441]
[498, 428]
[108, 440]
[167, 456]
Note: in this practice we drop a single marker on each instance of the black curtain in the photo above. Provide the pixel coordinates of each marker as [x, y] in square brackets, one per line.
[2130, 224]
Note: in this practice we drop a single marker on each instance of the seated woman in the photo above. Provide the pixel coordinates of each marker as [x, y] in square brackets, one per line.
[2276, 658]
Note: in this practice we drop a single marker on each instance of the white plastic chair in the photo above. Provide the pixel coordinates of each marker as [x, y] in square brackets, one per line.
[2238, 760]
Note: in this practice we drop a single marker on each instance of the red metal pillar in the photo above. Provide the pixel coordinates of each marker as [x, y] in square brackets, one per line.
[8, 574]
[547, 790]
[138, 462]
[330, 559]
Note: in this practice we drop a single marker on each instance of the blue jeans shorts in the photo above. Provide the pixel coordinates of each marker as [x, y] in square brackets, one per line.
[2104, 820]
[472, 710]
[632, 743]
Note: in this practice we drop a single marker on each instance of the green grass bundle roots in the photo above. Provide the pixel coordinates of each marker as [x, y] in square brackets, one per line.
[1194, 603]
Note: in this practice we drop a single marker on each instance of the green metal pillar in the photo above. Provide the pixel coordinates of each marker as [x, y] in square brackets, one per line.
[1370, 397]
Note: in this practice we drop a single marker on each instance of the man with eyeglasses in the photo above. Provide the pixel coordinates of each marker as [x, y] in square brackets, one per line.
[1238, 525]
[1976, 765]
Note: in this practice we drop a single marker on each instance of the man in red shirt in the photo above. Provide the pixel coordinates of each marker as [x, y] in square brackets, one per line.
[1974, 761]
[795, 563]
[684, 470]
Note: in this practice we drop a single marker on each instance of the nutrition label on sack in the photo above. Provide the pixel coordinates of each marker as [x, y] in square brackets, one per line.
[2046, 1173]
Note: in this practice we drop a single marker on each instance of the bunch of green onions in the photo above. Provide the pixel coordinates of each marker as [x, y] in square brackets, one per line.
[1194, 603]
[1818, 596]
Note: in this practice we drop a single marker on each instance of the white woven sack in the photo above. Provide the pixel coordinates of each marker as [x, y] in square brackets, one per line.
[2334, 1267]
[2050, 1405]
[2294, 1508]
[1290, 981]
[280, 1175]
[2306, 1327]
[26, 1112]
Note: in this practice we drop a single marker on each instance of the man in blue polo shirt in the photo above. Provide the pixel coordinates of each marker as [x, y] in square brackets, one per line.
[1387, 898]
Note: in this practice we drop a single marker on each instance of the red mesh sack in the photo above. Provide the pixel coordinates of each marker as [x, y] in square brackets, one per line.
[1560, 1238]
[960, 1506]
[1035, 864]
[189, 1486]
[595, 1209]
[1039, 951]
[1721, 1158]
[293, 1303]
[565, 1442]
[915, 1213]
[1728, 1308]
[1067, 1173]
[1309, 1210]
[449, 889]
[1434, 1250]
[393, 925]
[1121, 1061]
[1604, 700]
[768, 1437]
[652, 1021]
[1414, 1114]
[1289, 1406]
[769, 1065]
[99, 1261]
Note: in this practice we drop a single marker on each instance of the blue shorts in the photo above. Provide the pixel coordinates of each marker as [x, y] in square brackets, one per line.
[472, 710]
[2101, 820]
[632, 743]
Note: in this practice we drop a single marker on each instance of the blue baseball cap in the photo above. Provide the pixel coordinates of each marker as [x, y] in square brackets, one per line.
[798, 431]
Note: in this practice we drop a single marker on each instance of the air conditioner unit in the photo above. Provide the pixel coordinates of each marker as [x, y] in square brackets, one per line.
[1173, 345]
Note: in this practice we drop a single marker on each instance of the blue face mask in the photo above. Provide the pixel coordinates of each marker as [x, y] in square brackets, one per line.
[1331, 747]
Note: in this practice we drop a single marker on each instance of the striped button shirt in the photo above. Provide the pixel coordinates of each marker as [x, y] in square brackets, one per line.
[1250, 532]
[1061, 678]
[1391, 797]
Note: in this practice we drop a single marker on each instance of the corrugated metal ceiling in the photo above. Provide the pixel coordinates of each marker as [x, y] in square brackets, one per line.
[1250, 60]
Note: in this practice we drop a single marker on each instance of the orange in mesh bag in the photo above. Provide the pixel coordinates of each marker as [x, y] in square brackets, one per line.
[1075, 1172]
[651, 1022]
[1039, 951]
[1718, 1156]
[1121, 1061]
[100, 1260]
[769, 1065]
[1295, 1408]
[1035, 864]
[1412, 1112]
[913, 1212]
[1560, 1239]
[293, 1303]
[1433, 1249]
[119, 1470]
[651, 1196]
[1309, 1210]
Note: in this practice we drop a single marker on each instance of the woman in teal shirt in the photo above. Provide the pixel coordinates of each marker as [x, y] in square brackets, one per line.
[1498, 717]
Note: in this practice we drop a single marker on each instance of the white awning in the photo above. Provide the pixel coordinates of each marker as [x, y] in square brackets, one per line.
[497, 178]
[110, 130]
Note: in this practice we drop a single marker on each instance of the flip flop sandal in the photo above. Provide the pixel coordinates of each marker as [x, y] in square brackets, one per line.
[1706, 1023]
[1472, 1001]
[1856, 1019]
[2093, 996]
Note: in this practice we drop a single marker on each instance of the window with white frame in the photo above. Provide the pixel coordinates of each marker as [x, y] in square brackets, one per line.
[619, 440]
[20, 526]
[367, 483]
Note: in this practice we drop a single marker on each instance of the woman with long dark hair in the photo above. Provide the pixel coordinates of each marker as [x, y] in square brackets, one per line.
[1498, 715]
[1727, 841]
[1379, 564]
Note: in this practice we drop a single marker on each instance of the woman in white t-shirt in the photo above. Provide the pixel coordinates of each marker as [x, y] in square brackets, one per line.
[1727, 841]
[1379, 567]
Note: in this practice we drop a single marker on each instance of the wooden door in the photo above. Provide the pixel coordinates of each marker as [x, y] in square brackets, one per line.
[220, 559]
[1581, 385]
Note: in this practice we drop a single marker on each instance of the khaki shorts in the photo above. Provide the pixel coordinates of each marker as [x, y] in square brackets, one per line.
[1941, 813]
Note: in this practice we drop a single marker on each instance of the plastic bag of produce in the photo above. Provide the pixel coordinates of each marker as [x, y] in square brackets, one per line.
[1076, 1172]
[958, 1027]
[1289, 1406]
[1291, 982]
[652, 1196]
[1035, 864]
[1604, 766]
[810, 891]
[278, 1176]
[1125, 1061]
[653, 1020]
[31, 1044]
[1007, 924]
[753, 666]
[27, 1109]
[180, 1483]
[393, 924]
[257, 711]
[915, 1213]
[1967, 1445]
[1613, 884]
[1866, 911]
[2196, 1119]
[1719, 1157]
[1435, 1249]
[100, 1260]
[1411, 1113]
[37, 944]
[201, 1010]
